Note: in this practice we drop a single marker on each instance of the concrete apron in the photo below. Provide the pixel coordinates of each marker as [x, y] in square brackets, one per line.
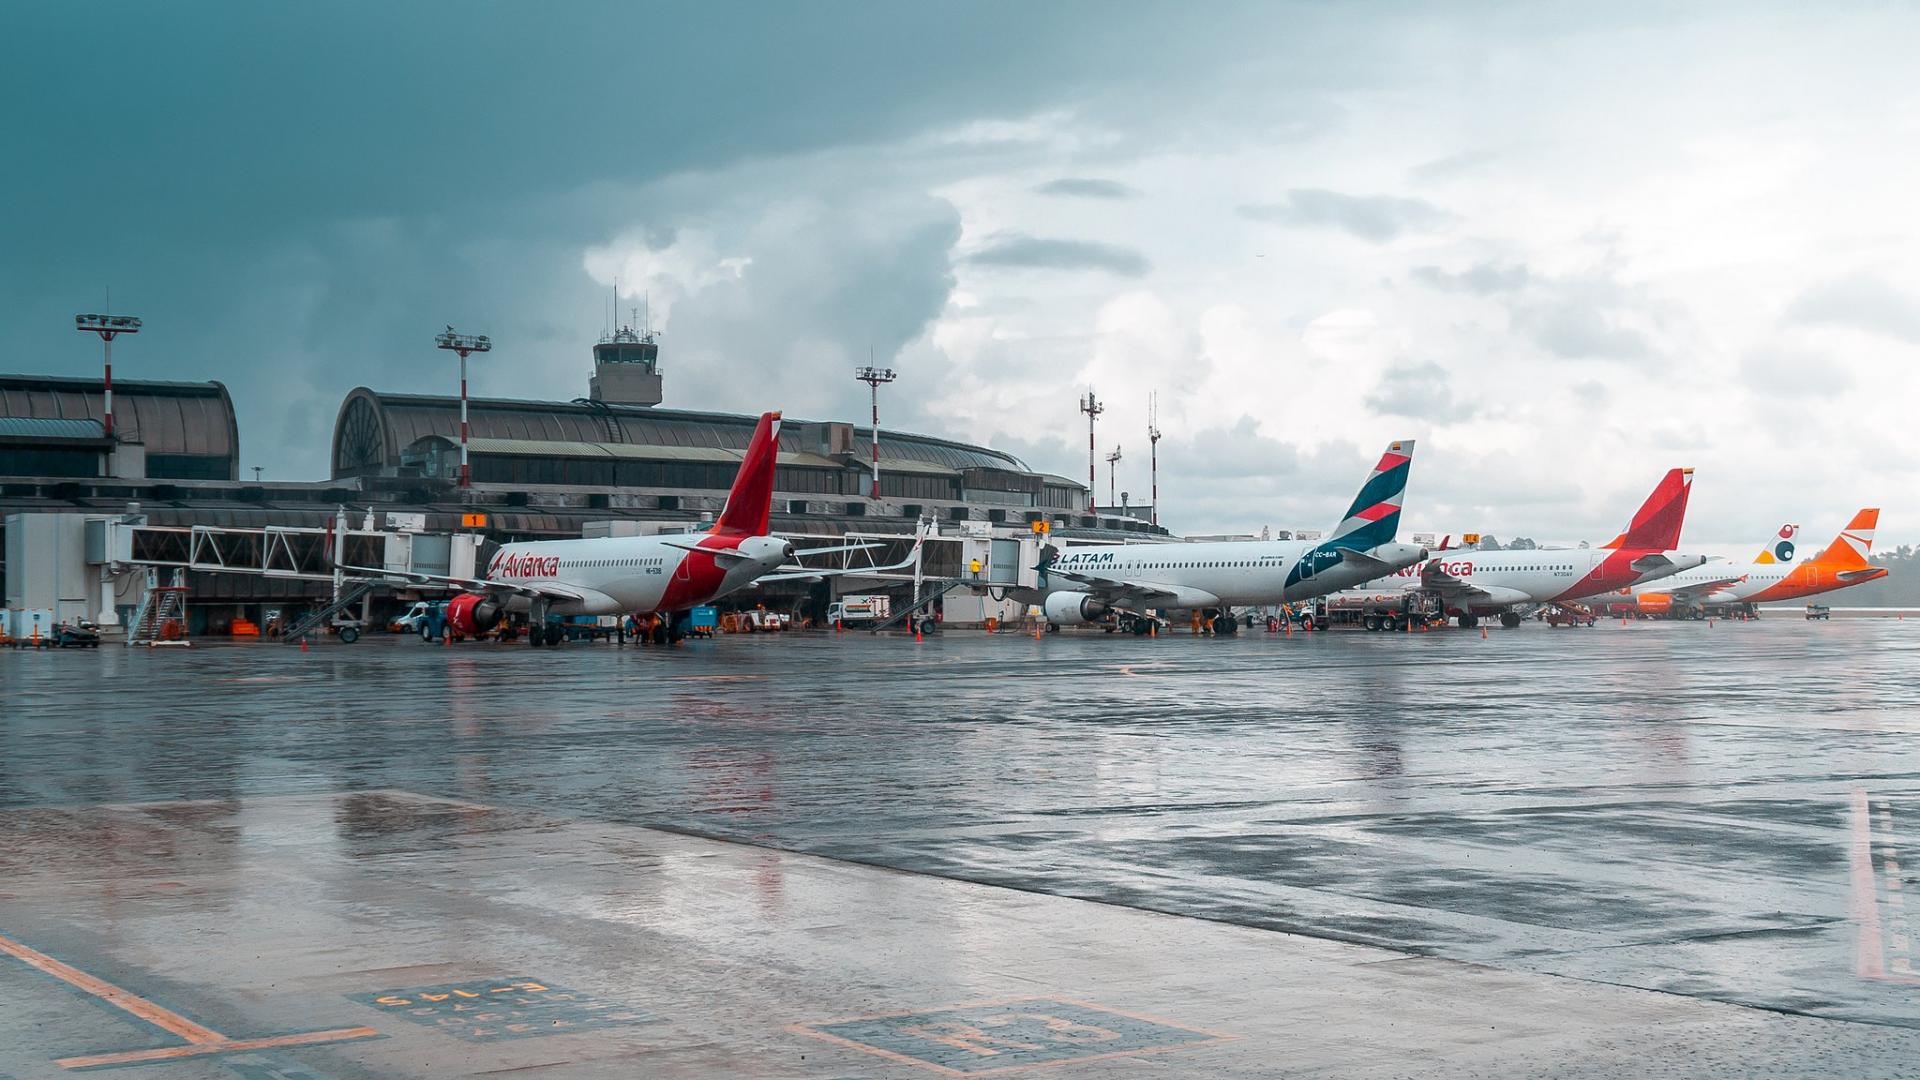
[389, 934]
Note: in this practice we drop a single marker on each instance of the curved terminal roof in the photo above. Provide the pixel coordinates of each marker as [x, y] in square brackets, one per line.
[373, 428]
[169, 417]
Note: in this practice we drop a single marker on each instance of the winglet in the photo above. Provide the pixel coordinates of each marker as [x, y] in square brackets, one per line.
[1374, 517]
[1656, 525]
[750, 504]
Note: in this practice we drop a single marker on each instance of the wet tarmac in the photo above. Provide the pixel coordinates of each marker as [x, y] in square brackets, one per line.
[1654, 844]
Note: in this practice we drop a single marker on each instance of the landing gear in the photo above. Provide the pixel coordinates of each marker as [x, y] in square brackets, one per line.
[1510, 620]
[1468, 622]
[1224, 624]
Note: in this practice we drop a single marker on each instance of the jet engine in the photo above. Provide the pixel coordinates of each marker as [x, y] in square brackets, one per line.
[1074, 608]
[472, 615]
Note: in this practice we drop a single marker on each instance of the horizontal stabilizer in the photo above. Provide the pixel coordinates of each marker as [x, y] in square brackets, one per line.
[725, 555]
[1360, 560]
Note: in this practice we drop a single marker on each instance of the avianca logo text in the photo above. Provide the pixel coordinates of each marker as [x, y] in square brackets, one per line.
[523, 565]
[1454, 568]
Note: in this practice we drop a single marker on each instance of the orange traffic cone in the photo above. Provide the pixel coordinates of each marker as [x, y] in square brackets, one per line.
[1483, 633]
[303, 643]
[916, 633]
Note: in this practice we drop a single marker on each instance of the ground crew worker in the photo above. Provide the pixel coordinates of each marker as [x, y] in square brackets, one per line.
[973, 567]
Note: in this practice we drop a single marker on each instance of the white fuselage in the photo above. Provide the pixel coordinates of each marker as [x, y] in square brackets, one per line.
[1538, 577]
[1755, 578]
[1247, 573]
[636, 574]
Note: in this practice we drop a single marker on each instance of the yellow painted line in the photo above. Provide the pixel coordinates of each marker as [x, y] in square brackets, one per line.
[200, 1039]
[120, 999]
[224, 1046]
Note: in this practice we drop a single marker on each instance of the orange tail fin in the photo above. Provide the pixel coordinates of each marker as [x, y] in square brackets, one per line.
[1656, 526]
[750, 503]
[1849, 550]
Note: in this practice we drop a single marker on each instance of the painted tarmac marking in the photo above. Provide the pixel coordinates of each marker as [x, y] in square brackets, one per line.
[200, 1038]
[992, 1038]
[500, 1009]
[1870, 940]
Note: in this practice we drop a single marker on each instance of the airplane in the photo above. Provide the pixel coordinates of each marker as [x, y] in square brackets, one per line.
[1773, 575]
[639, 575]
[1471, 584]
[1091, 583]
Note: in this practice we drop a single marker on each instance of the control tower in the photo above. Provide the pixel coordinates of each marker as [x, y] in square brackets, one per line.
[626, 368]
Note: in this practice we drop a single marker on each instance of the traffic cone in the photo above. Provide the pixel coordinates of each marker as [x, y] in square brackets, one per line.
[303, 643]
[839, 627]
[1483, 633]
[916, 633]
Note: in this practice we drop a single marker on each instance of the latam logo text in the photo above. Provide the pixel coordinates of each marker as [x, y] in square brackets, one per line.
[508, 565]
[1088, 558]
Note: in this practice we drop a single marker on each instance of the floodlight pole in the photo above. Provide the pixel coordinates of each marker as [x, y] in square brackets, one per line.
[1093, 409]
[108, 327]
[463, 344]
[1113, 464]
[873, 377]
[1153, 458]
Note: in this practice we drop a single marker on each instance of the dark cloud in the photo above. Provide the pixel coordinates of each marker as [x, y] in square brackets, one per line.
[1087, 188]
[1861, 302]
[1042, 253]
[1421, 392]
[1376, 219]
[1480, 279]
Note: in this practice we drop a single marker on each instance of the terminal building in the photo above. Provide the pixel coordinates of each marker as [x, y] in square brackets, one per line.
[613, 461]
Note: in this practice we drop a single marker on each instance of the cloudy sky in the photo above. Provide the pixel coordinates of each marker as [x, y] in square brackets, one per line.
[1564, 246]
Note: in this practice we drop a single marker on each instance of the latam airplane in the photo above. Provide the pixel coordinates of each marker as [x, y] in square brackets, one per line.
[1773, 575]
[1091, 583]
[1475, 583]
[639, 575]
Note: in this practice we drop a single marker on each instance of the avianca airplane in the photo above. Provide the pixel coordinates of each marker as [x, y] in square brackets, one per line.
[1773, 575]
[639, 575]
[1091, 583]
[1476, 583]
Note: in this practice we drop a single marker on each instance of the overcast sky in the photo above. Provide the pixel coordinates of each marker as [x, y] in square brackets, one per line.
[1565, 246]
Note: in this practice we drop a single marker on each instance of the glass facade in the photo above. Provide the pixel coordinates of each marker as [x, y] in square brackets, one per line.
[51, 461]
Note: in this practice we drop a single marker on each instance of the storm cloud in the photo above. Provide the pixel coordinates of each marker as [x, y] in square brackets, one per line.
[1042, 253]
[1377, 219]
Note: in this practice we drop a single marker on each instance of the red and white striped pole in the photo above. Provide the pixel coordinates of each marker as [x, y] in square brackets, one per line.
[464, 344]
[466, 479]
[873, 377]
[108, 327]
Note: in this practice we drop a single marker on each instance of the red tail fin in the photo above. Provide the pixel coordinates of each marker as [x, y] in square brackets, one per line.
[750, 503]
[1656, 526]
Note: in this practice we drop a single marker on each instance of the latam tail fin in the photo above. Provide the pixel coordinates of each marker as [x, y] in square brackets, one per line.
[1374, 517]
[1850, 549]
[750, 503]
[1781, 547]
[1656, 525]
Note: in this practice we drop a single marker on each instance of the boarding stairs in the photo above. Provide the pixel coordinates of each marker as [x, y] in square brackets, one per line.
[314, 620]
[161, 618]
[934, 589]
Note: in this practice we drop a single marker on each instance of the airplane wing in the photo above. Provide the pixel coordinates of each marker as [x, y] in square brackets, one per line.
[1434, 579]
[548, 590]
[1138, 595]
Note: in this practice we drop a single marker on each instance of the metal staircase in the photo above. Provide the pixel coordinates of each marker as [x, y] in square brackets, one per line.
[936, 588]
[313, 620]
[161, 618]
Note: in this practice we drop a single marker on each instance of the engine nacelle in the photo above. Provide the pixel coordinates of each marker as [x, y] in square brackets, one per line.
[1074, 608]
[472, 615]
